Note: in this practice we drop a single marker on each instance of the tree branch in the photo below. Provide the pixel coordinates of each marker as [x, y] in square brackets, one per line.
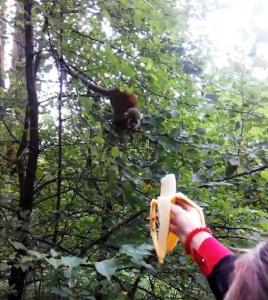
[115, 228]
[246, 173]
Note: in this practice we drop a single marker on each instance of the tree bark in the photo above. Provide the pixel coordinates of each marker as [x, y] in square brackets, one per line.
[17, 276]
[2, 44]
[60, 148]
[18, 48]
[26, 197]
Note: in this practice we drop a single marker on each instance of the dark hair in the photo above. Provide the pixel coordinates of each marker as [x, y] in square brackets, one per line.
[250, 275]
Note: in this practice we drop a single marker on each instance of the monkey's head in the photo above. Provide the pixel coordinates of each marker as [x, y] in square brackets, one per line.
[134, 118]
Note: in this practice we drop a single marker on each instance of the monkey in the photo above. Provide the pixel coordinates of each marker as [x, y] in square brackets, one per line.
[10, 153]
[125, 106]
[126, 112]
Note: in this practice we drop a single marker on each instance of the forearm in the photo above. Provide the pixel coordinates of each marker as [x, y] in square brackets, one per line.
[216, 262]
[207, 252]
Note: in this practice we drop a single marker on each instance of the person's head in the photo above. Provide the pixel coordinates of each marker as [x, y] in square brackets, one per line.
[250, 276]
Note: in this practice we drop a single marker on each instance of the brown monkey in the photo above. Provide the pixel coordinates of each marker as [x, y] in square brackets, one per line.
[10, 153]
[125, 106]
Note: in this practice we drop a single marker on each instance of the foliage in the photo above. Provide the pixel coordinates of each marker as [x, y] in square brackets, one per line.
[210, 130]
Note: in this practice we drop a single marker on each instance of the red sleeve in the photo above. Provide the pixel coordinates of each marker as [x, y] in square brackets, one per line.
[210, 252]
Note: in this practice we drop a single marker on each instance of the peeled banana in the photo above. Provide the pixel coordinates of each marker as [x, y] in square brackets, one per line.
[165, 241]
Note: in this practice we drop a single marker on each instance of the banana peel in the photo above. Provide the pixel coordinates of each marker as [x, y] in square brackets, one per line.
[165, 241]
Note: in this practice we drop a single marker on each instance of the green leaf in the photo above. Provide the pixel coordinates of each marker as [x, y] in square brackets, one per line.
[112, 176]
[87, 103]
[234, 161]
[3, 267]
[54, 262]
[152, 78]
[149, 66]
[106, 14]
[209, 163]
[212, 97]
[263, 225]
[115, 152]
[71, 274]
[18, 246]
[54, 253]
[100, 140]
[37, 254]
[137, 253]
[146, 60]
[128, 188]
[201, 279]
[72, 261]
[200, 131]
[63, 291]
[107, 267]
[198, 178]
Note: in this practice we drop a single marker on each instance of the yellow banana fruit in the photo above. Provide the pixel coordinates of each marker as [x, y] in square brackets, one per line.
[165, 241]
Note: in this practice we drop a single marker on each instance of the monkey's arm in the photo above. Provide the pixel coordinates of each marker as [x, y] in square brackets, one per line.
[89, 84]
[6, 157]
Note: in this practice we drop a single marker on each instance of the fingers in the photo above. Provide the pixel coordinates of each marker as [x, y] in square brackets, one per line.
[176, 213]
[173, 228]
[183, 204]
[176, 210]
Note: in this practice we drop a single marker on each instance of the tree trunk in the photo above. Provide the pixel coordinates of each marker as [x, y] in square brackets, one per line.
[17, 86]
[17, 276]
[18, 49]
[2, 44]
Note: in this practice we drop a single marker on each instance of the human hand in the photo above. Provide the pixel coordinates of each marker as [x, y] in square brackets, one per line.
[183, 219]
